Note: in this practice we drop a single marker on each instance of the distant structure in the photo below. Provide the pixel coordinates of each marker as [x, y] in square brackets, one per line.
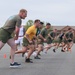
[63, 28]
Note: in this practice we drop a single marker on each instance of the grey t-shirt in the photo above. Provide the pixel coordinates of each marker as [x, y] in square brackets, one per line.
[11, 23]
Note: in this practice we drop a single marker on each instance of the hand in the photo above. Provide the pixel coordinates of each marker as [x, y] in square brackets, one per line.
[39, 40]
[55, 38]
[52, 38]
[66, 39]
[30, 42]
[45, 40]
[70, 39]
[15, 38]
[35, 41]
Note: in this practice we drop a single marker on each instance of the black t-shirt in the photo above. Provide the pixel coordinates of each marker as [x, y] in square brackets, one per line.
[61, 36]
[69, 35]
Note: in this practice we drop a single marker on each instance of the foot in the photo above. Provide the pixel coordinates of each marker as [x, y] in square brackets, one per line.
[9, 57]
[37, 57]
[14, 65]
[62, 50]
[23, 54]
[54, 50]
[28, 60]
[39, 54]
[45, 52]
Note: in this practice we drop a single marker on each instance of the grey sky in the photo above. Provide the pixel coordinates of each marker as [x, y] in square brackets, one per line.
[57, 12]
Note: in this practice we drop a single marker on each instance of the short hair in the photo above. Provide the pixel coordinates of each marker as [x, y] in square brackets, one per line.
[55, 29]
[23, 10]
[36, 20]
[48, 24]
[41, 23]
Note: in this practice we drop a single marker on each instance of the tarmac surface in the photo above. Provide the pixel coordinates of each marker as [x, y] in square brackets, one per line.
[58, 63]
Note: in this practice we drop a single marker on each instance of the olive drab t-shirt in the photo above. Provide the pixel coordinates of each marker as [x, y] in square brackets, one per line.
[69, 35]
[11, 23]
[53, 34]
[44, 32]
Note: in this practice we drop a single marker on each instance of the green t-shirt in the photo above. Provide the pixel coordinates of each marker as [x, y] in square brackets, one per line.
[69, 35]
[44, 32]
[53, 34]
[11, 23]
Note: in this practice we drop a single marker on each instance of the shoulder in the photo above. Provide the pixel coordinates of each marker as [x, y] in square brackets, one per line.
[43, 29]
[51, 32]
[31, 28]
[17, 18]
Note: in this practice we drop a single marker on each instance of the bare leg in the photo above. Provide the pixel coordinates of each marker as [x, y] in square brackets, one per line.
[12, 44]
[1, 44]
[40, 48]
[31, 50]
[48, 47]
[69, 46]
[64, 47]
[24, 49]
[57, 45]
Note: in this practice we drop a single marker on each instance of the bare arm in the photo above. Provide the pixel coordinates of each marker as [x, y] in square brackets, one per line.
[16, 33]
[41, 36]
[35, 37]
[27, 37]
[50, 36]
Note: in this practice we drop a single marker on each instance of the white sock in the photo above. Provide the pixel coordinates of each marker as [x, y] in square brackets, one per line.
[26, 54]
[34, 54]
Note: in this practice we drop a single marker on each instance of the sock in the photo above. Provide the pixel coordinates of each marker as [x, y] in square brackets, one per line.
[26, 54]
[34, 54]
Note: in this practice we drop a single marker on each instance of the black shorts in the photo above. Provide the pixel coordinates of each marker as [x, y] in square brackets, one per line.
[69, 40]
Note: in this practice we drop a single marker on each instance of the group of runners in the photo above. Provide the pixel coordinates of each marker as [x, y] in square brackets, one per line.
[33, 39]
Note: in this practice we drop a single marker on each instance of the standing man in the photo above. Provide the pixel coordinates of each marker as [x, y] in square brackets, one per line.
[13, 23]
[20, 36]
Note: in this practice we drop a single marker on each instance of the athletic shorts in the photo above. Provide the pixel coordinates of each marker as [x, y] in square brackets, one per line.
[55, 41]
[49, 41]
[60, 41]
[4, 35]
[69, 40]
[65, 41]
[26, 42]
[40, 41]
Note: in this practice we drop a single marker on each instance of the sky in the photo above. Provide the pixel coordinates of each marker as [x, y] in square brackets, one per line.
[56, 12]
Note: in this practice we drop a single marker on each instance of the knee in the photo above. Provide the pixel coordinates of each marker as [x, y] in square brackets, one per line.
[14, 47]
[0, 47]
[32, 47]
[40, 47]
